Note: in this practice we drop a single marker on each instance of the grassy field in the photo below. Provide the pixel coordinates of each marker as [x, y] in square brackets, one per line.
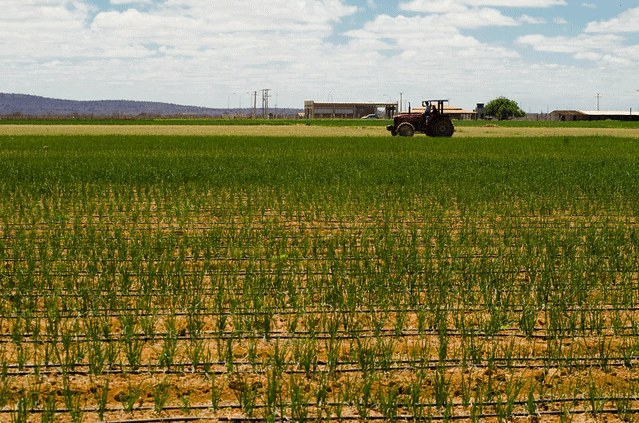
[313, 278]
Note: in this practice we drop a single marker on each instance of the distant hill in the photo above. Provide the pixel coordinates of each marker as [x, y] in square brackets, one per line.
[17, 105]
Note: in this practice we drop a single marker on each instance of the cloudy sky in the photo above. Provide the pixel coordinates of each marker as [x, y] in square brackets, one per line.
[545, 54]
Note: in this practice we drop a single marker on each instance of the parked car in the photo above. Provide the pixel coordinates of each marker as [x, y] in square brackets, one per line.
[371, 116]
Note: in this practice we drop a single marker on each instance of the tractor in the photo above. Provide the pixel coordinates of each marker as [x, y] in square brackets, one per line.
[433, 122]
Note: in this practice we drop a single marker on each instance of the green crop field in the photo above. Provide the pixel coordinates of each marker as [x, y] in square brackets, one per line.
[287, 278]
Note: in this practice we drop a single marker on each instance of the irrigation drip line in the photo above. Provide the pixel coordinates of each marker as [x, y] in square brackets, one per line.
[82, 292]
[267, 212]
[414, 289]
[274, 311]
[116, 205]
[116, 313]
[300, 226]
[350, 417]
[281, 268]
[512, 288]
[278, 266]
[200, 234]
[428, 418]
[160, 419]
[295, 232]
[285, 271]
[257, 221]
[275, 217]
[243, 367]
[512, 242]
[428, 257]
[236, 406]
[509, 333]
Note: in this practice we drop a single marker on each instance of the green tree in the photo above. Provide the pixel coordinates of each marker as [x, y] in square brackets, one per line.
[503, 108]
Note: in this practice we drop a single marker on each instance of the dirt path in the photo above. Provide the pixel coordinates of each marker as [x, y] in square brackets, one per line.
[296, 130]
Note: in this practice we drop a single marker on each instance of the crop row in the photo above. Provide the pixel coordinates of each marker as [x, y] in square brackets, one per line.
[316, 280]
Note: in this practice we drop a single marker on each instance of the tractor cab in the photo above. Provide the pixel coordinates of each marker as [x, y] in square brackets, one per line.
[433, 107]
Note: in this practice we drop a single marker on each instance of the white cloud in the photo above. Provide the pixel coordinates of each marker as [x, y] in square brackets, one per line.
[627, 21]
[200, 51]
[437, 32]
[453, 6]
[518, 3]
[208, 45]
[531, 20]
[465, 14]
[44, 29]
[225, 17]
[600, 43]
[121, 2]
[480, 18]
[435, 6]
[579, 44]
[606, 48]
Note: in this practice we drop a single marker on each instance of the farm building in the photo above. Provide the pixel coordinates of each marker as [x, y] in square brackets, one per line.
[317, 110]
[574, 115]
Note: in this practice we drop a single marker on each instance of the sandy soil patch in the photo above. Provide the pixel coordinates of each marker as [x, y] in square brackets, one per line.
[298, 131]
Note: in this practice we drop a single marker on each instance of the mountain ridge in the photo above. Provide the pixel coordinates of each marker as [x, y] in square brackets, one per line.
[26, 105]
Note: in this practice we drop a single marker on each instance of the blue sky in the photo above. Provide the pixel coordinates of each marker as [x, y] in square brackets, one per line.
[545, 54]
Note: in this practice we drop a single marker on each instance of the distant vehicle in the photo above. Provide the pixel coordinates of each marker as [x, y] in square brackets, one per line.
[433, 122]
[371, 116]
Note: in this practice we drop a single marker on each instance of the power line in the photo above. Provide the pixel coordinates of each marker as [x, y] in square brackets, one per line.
[265, 97]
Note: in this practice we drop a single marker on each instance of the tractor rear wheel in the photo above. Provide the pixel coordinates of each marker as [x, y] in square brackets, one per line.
[405, 130]
[440, 127]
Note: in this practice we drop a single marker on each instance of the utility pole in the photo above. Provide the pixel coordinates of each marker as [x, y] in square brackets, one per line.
[598, 97]
[254, 104]
[265, 97]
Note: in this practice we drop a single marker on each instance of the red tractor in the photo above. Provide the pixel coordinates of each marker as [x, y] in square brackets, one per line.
[433, 122]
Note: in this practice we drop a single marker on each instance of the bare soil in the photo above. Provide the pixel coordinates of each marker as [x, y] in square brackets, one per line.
[299, 131]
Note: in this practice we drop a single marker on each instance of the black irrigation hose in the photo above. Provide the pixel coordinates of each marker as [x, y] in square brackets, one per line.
[399, 417]
[162, 420]
[462, 270]
[301, 230]
[269, 212]
[422, 287]
[81, 293]
[322, 367]
[302, 271]
[283, 270]
[232, 237]
[258, 221]
[192, 233]
[377, 225]
[509, 333]
[229, 218]
[114, 313]
[212, 287]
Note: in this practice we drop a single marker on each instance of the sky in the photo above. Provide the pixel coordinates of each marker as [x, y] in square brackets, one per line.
[544, 54]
